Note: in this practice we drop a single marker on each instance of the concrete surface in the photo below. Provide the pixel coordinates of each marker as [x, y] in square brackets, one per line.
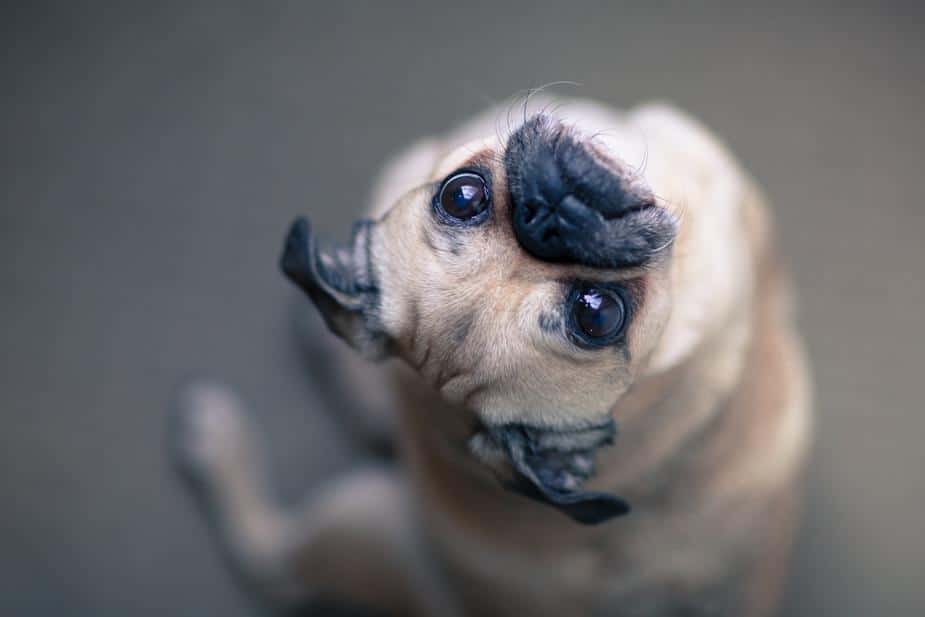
[152, 156]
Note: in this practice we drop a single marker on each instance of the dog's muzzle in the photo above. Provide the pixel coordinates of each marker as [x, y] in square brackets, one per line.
[570, 206]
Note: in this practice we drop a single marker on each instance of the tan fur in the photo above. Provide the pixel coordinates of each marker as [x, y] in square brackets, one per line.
[713, 404]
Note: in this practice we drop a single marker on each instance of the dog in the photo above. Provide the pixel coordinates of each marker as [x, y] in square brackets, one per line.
[546, 281]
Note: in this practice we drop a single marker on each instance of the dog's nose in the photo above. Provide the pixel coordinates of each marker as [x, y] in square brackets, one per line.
[553, 229]
[569, 204]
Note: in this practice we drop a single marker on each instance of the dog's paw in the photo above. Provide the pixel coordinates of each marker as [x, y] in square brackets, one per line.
[210, 434]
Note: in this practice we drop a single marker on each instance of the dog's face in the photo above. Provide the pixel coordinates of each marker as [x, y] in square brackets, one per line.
[527, 279]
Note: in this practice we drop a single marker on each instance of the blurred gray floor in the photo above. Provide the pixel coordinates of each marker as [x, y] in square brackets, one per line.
[152, 157]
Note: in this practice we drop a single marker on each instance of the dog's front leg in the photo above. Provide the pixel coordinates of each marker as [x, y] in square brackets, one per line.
[354, 542]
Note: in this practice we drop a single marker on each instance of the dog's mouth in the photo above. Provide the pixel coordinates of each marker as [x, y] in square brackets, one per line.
[551, 465]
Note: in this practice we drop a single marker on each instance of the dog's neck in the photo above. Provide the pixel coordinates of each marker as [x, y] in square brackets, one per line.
[668, 419]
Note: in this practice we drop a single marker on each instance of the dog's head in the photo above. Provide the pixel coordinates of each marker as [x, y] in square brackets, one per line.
[528, 279]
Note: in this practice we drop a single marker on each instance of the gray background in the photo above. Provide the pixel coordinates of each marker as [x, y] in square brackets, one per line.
[153, 155]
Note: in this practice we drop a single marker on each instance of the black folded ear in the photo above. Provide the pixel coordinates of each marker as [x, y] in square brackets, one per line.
[340, 282]
[551, 466]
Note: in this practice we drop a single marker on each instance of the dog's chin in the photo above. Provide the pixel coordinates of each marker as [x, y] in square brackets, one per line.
[551, 466]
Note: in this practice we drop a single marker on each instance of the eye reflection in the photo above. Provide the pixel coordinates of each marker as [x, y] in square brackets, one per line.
[599, 313]
[464, 196]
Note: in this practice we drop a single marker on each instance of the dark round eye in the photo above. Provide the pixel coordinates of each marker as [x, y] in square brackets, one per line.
[599, 313]
[464, 195]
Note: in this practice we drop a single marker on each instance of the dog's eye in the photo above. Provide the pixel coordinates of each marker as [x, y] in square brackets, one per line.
[599, 314]
[464, 196]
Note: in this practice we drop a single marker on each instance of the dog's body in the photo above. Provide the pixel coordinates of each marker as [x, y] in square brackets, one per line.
[704, 376]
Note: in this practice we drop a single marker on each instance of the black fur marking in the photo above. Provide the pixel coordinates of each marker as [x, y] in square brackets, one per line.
[550, 323]
[550, 467]
[460, 329]
[568, 206]
[455, 243]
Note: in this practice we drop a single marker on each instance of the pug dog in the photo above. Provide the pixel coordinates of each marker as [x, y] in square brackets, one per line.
[606, 409]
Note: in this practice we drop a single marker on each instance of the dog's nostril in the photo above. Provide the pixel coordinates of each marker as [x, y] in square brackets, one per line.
[549, 233]
[530, 211]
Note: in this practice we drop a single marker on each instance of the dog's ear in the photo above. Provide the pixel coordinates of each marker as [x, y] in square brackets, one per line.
[551, 466]
[339, 281]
